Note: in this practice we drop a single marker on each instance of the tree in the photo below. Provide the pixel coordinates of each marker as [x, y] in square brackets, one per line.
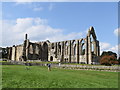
[4, 53]
[108, 53]
[119, 60]
[108, 60]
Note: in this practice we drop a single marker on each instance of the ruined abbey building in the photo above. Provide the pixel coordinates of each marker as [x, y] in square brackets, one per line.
[84, 50]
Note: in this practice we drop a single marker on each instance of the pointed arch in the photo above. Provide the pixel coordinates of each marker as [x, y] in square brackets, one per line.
[91, 31]
[73, 47]
[66, 47]
[82, 47]
[59, 48]
[45, 52]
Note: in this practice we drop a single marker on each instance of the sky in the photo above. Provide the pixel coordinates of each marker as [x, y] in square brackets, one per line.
[58, 21]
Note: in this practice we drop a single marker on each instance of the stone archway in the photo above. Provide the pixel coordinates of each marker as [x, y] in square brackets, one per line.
[73, 48]
[45, 52]
[66, 48]
[51, 58]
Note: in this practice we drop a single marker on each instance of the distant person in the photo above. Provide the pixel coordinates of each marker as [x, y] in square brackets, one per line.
[59, 63]
[49, 67]
[27, 65]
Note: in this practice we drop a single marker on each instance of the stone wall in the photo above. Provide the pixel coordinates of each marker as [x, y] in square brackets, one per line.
[13, 53]
[19, 52]
[34, 51]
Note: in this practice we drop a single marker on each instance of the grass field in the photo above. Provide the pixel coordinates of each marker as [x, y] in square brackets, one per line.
[16, 76]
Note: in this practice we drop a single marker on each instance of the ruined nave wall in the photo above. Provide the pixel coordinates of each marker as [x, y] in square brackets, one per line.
[13, 53]
[19, 52]
[16, 52]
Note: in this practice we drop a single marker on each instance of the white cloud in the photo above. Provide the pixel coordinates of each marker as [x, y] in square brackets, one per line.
[108, 47]
[38, 9]
[117, 32]
[104, 45]
[114, 48]
[37, 30]
[62, 37]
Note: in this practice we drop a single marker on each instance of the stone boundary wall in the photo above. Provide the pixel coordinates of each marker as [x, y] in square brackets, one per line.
[75, 67]
[100, 68]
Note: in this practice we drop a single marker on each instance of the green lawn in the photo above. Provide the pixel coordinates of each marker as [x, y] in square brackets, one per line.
[16, 76]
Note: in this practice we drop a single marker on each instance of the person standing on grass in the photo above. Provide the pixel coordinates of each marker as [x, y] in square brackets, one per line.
[49, 67]
[28, 65]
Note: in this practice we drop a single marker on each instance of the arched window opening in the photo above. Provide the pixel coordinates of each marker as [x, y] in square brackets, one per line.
[45, 47]
[65, 59]
[31, 49]
[92, 44]
[45, 52]
[66, 48]
[51, 58]
[75, 50]
[73, 47]
[82, 46]
[52, 45]
[37, 49]
[59, 48]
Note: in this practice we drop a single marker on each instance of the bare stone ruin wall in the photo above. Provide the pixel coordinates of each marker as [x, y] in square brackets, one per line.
[84, 50]
[15, 52]
[72, 51]
[19, 52]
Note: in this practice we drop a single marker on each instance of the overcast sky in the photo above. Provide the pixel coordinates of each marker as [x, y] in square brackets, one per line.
[60, 21]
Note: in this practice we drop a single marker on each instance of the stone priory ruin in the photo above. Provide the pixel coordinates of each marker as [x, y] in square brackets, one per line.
[84, 50]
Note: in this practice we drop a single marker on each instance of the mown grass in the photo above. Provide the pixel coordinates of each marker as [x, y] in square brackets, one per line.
[16, 76]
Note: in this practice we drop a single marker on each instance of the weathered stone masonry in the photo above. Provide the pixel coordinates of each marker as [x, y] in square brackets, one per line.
[84, 50]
